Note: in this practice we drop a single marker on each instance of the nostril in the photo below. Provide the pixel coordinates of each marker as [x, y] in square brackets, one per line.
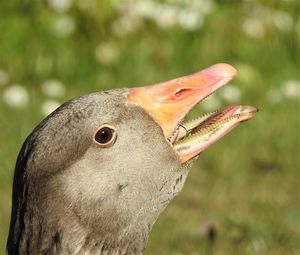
[182, 92]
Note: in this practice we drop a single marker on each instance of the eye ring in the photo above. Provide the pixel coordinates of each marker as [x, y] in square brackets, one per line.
[105, 136]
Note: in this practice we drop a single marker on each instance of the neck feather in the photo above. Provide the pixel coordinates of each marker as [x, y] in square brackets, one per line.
[33, 233]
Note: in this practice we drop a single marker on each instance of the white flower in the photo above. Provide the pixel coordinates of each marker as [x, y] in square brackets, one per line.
[64, 26]
[60, 5]
[274, 96]
[126, 24]
[231, 93]
[16, 96]
[211, 103]
[190, 20]
[148, 9]
[4, 77]
[166, 16]
[107, 53]
[254, 28]
[283, 20]
[53, 88]
[189, 14]
[49, 106]
[203, 6]
[259, 245]
[291, 89]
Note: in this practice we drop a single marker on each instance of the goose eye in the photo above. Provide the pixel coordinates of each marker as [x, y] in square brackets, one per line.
[105, 136]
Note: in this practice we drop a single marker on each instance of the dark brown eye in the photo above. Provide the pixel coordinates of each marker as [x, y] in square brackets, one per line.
[105, 136]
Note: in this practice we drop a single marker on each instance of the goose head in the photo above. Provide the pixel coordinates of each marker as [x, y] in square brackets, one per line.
[95, 174]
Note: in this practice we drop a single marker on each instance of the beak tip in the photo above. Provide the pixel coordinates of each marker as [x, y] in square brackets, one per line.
[251, 109]
[222, 70]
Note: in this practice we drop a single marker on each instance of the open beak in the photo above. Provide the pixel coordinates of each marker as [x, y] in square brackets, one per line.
[169, 102]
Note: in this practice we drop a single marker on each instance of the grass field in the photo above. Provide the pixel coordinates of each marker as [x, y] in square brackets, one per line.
[242, 196]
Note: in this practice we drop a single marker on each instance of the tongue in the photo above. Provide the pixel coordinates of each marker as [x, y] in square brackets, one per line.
[212, 129]
[218, 115]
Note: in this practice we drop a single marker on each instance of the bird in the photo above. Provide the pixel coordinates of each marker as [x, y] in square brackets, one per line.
[94, 175]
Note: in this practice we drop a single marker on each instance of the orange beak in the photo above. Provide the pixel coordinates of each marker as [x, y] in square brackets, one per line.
[168, 102]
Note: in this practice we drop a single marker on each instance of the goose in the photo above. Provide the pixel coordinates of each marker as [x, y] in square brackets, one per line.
[93, 176]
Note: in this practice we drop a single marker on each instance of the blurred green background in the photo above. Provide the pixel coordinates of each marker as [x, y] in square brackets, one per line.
[242, 196]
